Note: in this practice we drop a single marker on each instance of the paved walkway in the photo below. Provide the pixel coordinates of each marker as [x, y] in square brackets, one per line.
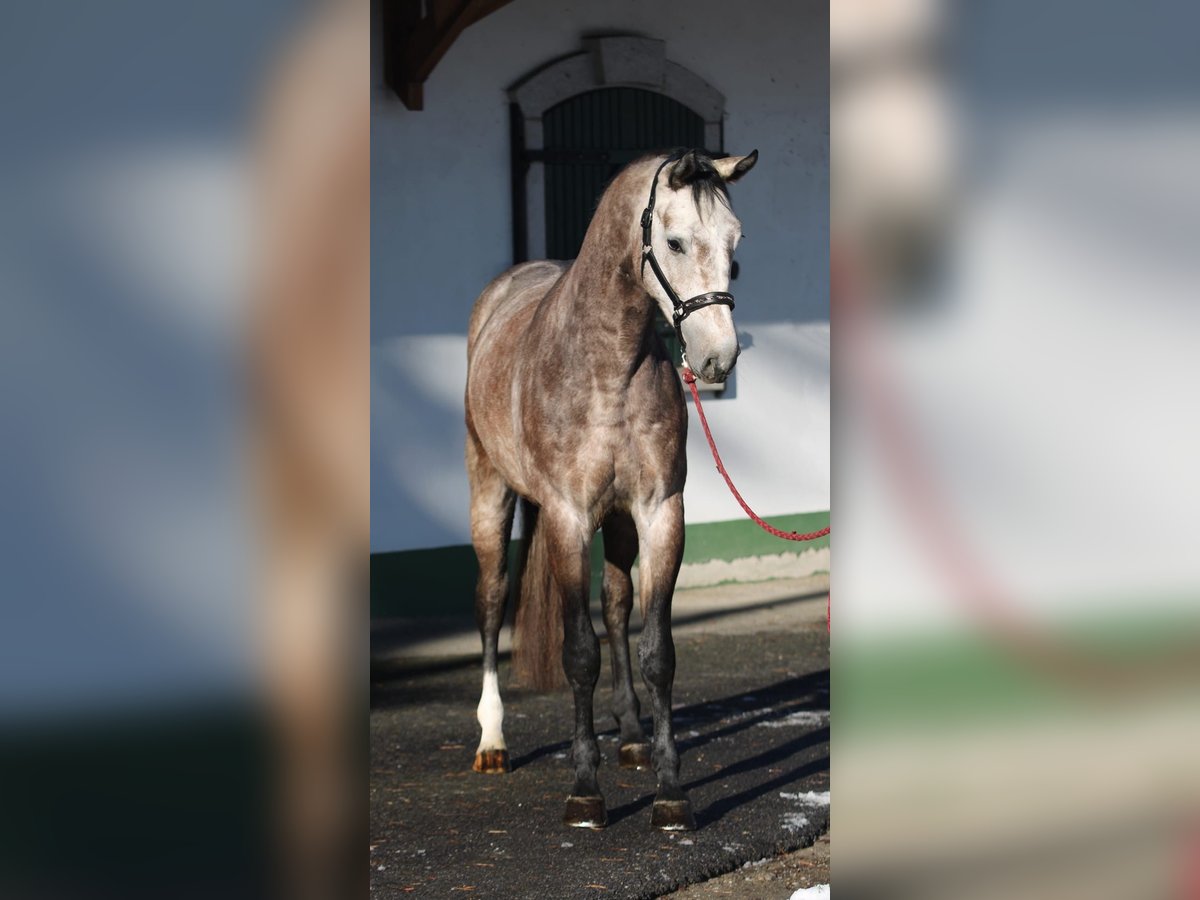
[752, 722]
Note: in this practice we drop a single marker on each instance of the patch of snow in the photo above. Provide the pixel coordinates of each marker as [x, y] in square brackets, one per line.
[811, 798]
[807, 717]
[794, 821]
[566, 844]
[560, 756]
[818, 892]
[687, 842]
[753, 568]
[737, 716]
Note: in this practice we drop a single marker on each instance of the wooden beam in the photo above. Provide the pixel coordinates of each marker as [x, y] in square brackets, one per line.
[412, 94]
[399, 18]
[442, 11]
[481, 9]
[435, 35]
[415, 44]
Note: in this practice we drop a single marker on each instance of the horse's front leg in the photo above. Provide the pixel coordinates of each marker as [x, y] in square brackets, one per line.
[620, 550]
[660, 533]
[569, 539]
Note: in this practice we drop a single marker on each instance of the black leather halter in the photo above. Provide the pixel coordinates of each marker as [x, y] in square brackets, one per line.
[683, 308]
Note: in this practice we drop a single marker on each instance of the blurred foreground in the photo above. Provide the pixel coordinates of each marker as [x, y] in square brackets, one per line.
[753, 742]
[185, 258]
[1016, 633]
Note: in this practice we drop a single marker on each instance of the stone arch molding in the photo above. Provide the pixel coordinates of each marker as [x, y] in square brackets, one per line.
[622, 61]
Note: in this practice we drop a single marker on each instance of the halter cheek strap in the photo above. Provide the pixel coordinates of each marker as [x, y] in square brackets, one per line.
[683, 308]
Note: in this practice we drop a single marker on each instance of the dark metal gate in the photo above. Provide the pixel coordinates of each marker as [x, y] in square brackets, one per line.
[589, 138]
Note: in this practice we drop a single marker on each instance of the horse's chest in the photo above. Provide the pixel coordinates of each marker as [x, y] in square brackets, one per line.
[599, 451]
[622, 463]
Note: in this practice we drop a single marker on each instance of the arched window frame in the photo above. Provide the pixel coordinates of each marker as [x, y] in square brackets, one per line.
[623, 61]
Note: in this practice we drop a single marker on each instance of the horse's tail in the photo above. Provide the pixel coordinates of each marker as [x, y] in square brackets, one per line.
[538, 629]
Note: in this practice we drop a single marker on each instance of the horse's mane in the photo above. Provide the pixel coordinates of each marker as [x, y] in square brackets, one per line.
[707, 183]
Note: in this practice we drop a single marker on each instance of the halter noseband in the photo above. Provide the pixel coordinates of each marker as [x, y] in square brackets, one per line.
[683, 308]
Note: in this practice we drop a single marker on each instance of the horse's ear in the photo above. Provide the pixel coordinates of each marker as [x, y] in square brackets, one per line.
[684, 171]
[731, 168]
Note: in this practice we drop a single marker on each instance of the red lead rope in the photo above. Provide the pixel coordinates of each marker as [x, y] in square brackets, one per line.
[690, 379]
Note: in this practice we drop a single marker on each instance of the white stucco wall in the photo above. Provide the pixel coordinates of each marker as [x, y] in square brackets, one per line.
[441, 228]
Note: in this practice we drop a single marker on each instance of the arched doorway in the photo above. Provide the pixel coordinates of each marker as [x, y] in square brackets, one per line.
[592, 136]
[576, 121]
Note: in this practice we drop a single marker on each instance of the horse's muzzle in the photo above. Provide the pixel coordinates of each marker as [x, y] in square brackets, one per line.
[716, 366]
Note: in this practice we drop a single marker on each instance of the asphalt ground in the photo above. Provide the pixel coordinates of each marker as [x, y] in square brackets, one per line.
[807, 868]
[751, 713]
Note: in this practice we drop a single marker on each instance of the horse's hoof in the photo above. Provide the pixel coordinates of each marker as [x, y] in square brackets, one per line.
[634, 756]
[585, 812]
[672, 815]
[492, 762]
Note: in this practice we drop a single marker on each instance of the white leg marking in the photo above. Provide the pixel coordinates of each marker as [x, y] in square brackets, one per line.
[490, 713]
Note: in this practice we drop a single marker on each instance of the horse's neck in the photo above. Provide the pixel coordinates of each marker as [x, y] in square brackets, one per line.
[605, 310]
[601, 301]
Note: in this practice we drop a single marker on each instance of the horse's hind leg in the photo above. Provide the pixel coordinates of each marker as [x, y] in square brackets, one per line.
[660, 533]
[492, 503]
[620, 549]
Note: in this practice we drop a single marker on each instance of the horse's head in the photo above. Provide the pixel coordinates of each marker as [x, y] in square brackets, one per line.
[689, 233]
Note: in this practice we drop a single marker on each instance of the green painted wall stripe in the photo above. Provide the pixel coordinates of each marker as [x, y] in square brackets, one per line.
[917, 684]
[740, 538]
[441, 581]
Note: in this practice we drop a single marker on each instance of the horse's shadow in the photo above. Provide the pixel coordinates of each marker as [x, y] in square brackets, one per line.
[780, 700]
[772, 703]
[718, 808]
[392, 665]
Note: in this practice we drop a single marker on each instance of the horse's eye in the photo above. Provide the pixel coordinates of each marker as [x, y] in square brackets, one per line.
[675, 245]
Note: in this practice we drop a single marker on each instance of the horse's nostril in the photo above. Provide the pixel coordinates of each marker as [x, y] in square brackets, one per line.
[713, 371]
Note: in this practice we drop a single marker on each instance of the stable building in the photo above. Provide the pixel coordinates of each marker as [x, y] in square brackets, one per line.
[495, 126]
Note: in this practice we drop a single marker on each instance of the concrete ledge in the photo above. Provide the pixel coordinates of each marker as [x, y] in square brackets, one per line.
[778, 605]
[440, 581]
[753, 568]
